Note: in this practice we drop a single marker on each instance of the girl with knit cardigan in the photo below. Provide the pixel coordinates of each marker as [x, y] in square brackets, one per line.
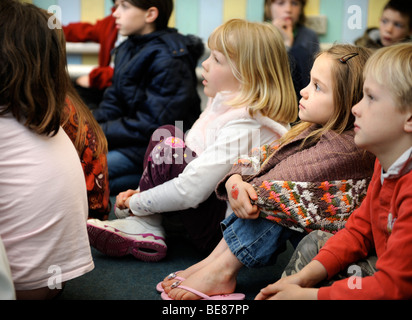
[371, 257]
[250, 104]
[313, 180]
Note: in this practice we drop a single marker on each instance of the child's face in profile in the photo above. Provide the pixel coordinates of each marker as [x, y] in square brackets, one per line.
[378, 122]
[218, 75]
[317, 104]
[394, 27]
[131, 20]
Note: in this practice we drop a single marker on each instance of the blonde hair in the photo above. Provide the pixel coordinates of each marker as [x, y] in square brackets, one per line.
[259, 61]
[392, 68]
[347, 87]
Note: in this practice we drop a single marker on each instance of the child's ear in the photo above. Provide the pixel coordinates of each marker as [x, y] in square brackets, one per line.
[152, 14]
[408, 123]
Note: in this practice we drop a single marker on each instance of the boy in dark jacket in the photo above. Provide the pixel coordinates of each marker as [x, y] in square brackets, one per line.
[154, 84]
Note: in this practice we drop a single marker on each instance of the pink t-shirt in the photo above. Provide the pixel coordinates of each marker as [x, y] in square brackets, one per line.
[43, 207]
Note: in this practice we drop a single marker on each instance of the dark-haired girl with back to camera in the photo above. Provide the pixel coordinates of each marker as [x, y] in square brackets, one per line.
[43, 198]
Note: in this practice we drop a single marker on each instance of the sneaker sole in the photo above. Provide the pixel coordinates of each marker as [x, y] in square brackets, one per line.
[114, 244]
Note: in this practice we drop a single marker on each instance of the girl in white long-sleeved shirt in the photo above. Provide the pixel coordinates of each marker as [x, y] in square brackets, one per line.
[251, 103]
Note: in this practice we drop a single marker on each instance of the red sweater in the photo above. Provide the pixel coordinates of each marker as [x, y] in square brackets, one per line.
[384, 223]
[103, 32]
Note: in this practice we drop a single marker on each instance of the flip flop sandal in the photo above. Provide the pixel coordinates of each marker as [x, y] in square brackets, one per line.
[232, 296]
[171, 276]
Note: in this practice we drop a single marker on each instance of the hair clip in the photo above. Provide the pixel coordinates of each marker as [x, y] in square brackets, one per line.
[349, 56]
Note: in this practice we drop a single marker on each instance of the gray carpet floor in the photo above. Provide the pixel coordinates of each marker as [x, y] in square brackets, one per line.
[130, 279]
[127, 278]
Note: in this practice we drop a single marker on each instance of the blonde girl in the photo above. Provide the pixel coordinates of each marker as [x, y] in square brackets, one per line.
[313, 180]
[251, 102]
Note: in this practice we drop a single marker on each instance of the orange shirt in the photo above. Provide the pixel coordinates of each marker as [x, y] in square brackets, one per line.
[95, 169]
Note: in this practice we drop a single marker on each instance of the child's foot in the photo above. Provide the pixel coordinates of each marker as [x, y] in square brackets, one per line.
[207, 280]
[142, 237]
[170, 280]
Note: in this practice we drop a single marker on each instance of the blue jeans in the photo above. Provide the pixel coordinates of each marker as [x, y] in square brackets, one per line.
[123, 174]
[257, 243]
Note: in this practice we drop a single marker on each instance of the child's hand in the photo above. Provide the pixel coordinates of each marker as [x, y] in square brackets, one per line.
[269, 292]
[240, 194]
[287, 291]
[297, 286]
[286, 29]
[122, 199]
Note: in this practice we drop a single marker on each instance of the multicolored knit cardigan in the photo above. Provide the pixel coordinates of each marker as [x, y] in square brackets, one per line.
[315, 187]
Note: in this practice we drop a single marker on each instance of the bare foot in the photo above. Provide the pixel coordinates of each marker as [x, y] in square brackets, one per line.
[217, 277]
[185, 274]
[207, 282]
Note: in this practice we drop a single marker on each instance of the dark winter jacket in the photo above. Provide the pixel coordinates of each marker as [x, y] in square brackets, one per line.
[154, 84]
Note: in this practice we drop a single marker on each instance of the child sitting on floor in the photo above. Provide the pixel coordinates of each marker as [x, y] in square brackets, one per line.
[382, 224]
[250, 104]
[314, 180]
[43, 197]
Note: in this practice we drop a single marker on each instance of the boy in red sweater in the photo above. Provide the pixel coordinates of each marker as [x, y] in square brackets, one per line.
[104, 32]
[381, 226]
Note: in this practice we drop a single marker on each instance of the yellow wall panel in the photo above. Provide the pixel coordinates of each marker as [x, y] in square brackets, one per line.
[234, 9]
[90, 60]
[172, 20]
[312, 7]
[92, 10]
[375, 12]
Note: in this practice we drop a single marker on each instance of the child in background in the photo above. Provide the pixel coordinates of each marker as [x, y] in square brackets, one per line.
[154, 84]
[249, 104]
[301, 42]
[312, 181]
[395, 26]
[104, 32]
[91, 145]
[381, 226]
[43, 199]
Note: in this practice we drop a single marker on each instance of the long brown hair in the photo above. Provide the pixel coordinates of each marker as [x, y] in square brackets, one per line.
[33, 77]
[347, 86]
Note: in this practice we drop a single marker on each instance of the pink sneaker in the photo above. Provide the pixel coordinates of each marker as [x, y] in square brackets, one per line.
[142, 237]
